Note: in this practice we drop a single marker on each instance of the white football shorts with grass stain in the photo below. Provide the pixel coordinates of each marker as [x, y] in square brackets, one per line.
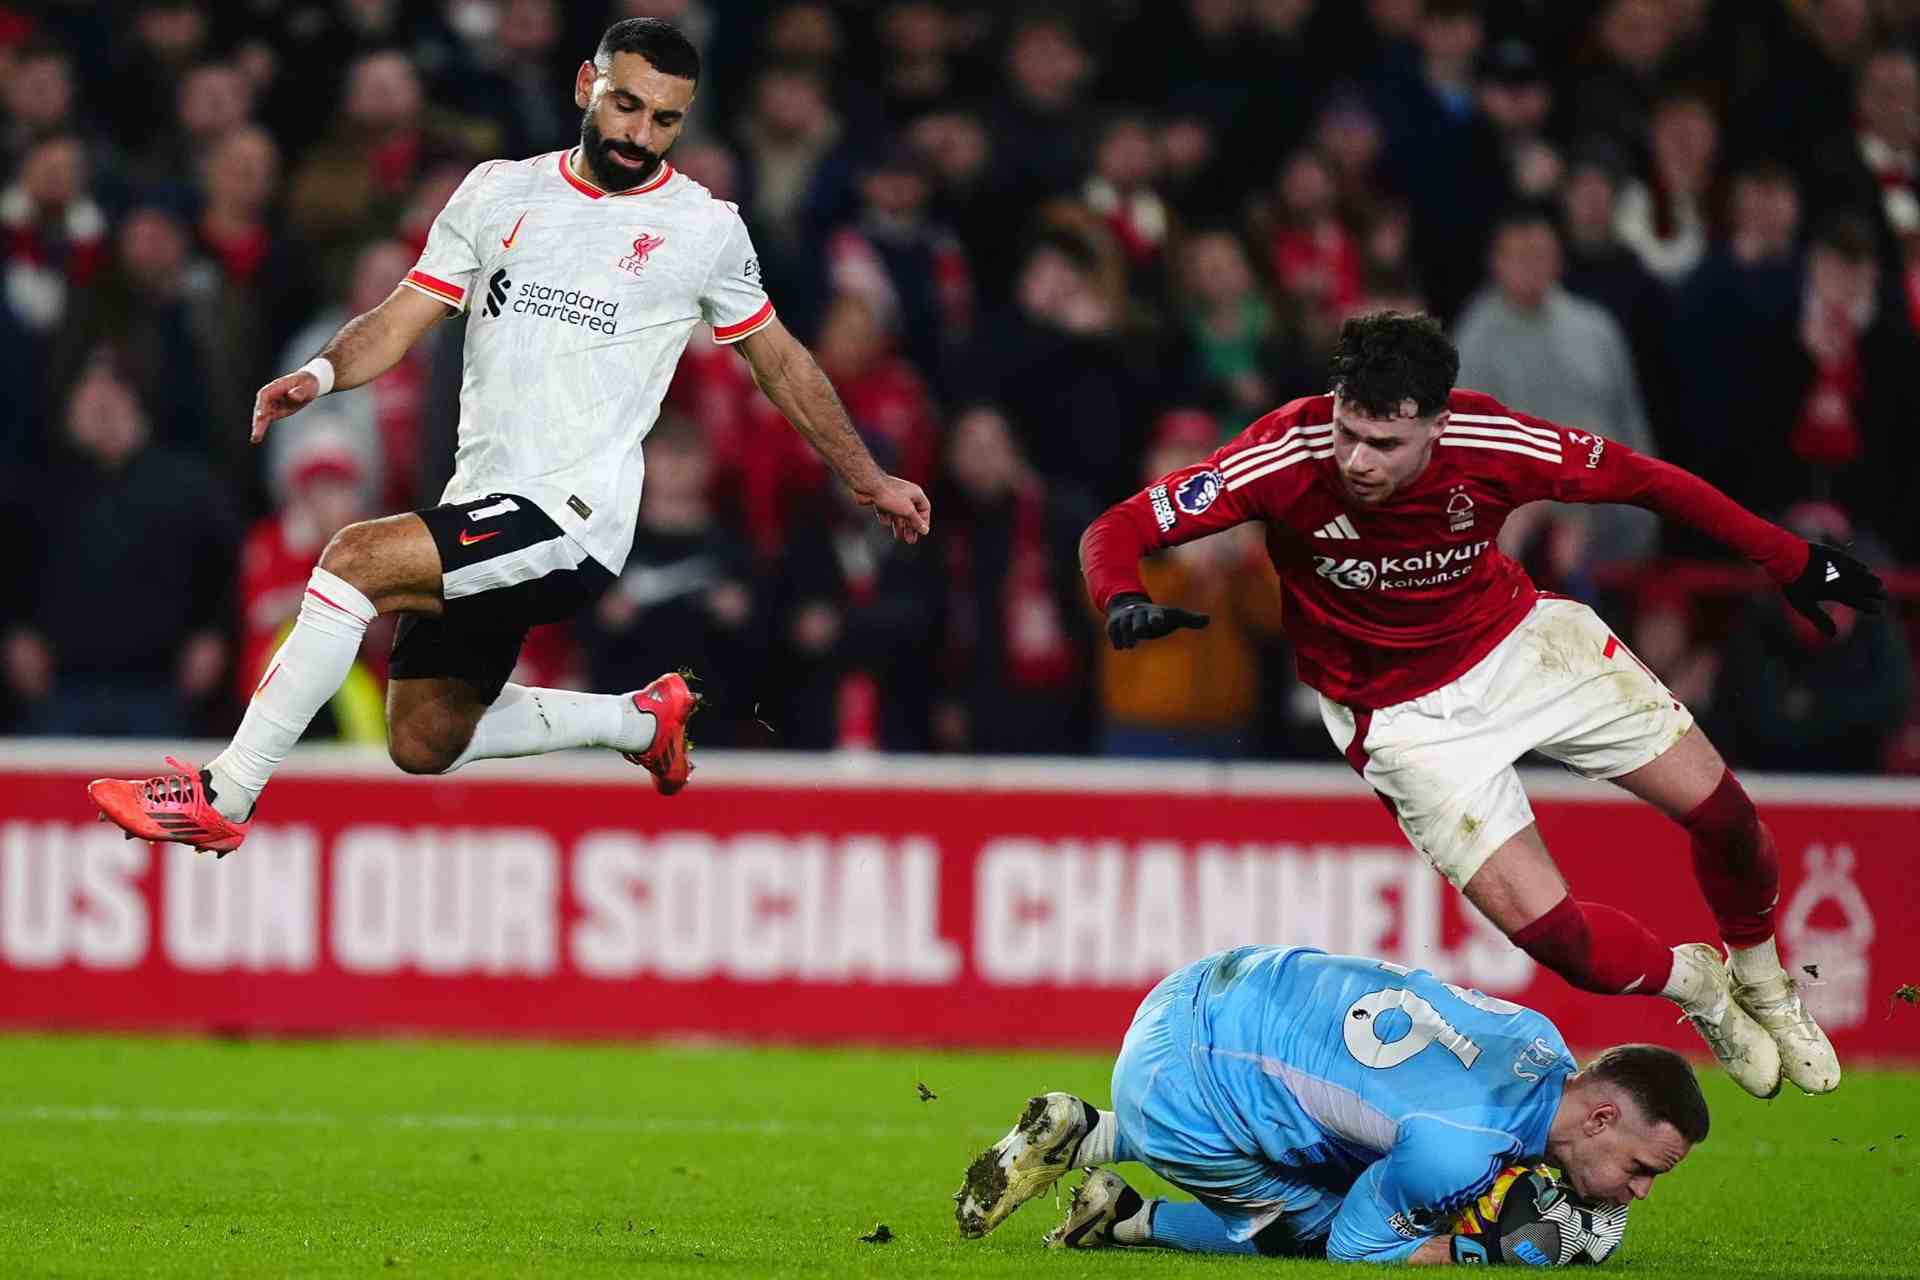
[1561, 683]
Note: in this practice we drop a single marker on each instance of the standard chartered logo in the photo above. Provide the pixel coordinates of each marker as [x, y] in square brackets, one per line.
[552, 302]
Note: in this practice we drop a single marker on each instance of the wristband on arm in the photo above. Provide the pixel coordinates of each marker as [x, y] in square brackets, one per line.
[322, 370]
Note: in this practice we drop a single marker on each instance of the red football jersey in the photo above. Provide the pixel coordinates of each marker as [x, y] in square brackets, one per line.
[1387, 602]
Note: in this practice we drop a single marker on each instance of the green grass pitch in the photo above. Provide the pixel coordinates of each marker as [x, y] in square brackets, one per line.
[162, 1157]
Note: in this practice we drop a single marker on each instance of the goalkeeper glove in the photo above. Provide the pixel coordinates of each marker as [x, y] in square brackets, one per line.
[1131, 618]
[1832, 574]
[1543, 1224]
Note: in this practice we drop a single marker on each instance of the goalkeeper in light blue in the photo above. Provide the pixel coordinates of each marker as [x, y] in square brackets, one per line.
[1333, 1106]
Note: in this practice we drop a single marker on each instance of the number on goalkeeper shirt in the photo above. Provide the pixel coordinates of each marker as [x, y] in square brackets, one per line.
[1429, 1026]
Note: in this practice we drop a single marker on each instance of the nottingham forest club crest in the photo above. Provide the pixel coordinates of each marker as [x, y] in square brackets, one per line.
[643, 247]
[1459, 509]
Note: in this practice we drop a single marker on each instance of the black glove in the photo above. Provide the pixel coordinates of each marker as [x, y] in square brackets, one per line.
[1543, 1224]
[1131, 618]
[1832, 574]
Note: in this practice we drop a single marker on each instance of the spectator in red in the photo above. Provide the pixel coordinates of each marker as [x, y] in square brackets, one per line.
[1829, 395]
[54, 246]
[321, 487]
[884, 396]
[763, 475]
[111, 519]
[1315, 258]
[55, 234]
[1014, 663]
[1877, 172]
[769, 477]
[1121, 190]
[262, 282]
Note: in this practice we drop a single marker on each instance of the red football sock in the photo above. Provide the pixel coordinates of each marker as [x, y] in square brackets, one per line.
[1735, 861]
[1597, 948]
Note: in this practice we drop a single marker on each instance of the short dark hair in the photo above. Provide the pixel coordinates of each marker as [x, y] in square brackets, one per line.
[1764, 169]
[1526, 213]
[38, 47]
[1849, 234]
[660, 43]
[1389, 357]
[1660, 1083]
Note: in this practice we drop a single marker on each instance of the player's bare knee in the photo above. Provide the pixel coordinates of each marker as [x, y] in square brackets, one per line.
[424, 742]
[415, 753]
[351, 554]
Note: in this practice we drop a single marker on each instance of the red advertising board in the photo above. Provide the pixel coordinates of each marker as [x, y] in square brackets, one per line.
[867, 899]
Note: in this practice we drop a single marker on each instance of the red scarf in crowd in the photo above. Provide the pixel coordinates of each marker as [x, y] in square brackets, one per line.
[1827, 434]
[1039, 655]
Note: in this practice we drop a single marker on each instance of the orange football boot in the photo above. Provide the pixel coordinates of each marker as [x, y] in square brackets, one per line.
[169, 806]
[671, 704]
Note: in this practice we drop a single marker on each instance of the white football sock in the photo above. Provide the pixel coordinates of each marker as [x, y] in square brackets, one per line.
[1137, 1229]
[1756, 963]
[308, 670]
[1097, 1147]
[1687, 986]
[529, 722]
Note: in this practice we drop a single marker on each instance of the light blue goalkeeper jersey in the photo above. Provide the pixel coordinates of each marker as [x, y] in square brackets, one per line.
[1357, 1076]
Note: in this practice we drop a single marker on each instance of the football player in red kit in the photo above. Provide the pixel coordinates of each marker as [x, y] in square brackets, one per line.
[1439, 664]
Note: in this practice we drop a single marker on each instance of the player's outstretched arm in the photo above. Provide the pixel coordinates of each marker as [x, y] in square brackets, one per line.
[787, 373]
[366, 347]
[1179, 507]
[1598, 470]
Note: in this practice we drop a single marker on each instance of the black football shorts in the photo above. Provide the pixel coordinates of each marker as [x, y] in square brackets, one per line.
[505, 568]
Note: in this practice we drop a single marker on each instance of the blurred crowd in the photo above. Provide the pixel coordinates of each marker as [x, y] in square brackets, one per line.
[1045, 251]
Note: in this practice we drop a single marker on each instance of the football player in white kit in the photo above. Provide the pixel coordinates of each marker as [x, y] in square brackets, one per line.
[583, 273]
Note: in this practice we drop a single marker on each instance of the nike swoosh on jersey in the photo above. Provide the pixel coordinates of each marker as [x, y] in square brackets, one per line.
[468, 537]
[515, 233]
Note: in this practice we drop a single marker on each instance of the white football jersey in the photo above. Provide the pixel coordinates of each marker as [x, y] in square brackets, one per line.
[581, 302]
